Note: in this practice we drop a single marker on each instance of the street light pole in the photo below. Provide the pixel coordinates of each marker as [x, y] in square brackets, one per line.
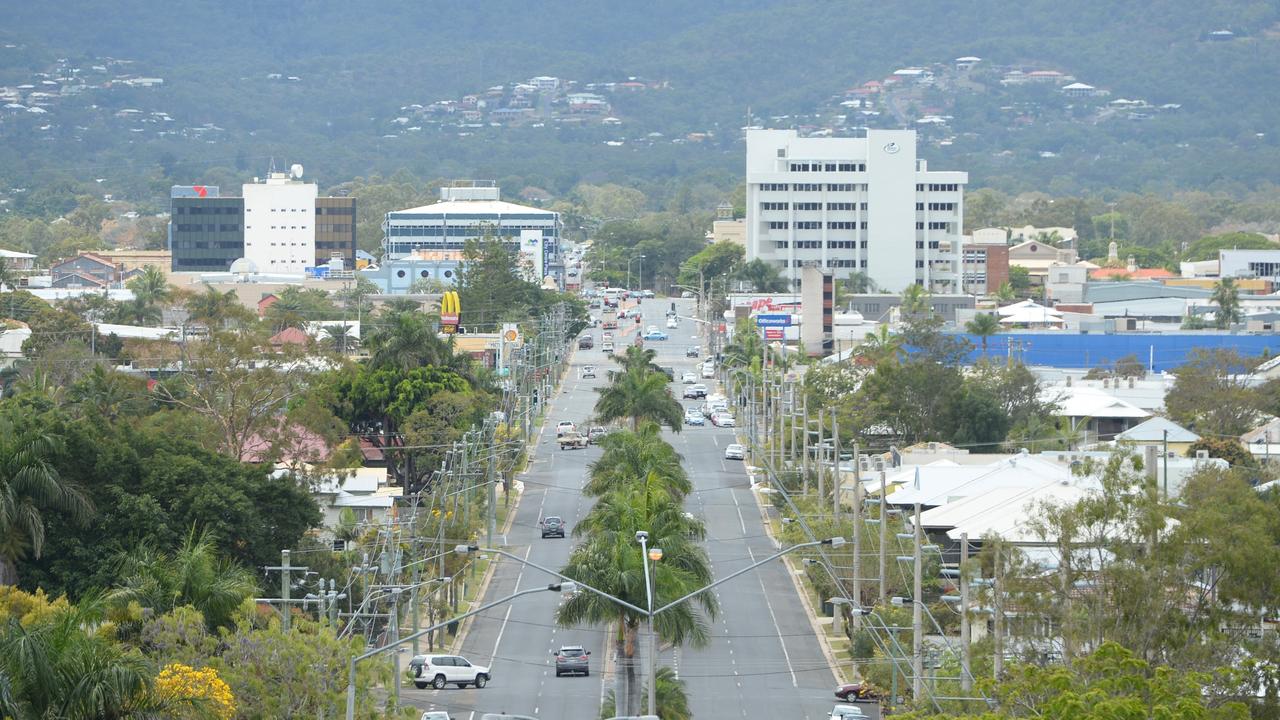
[647, 555]
[917, 616]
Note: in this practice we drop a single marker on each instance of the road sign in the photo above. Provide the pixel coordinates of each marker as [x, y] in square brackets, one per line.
[773, 333]
[773, 321]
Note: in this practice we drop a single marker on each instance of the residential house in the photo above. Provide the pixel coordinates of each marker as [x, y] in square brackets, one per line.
[18, 261]
[1093, 414]
[289, 336]
[85, 270]
[1161, 433]
[1037, 256]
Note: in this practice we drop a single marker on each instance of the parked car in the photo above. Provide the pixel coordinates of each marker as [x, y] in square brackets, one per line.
[857, 691]
[692, 417]
[695, 391]
[691, 351]
[723, 419]
[688, 378]
[670, 372]
[686, 294]
[735, 452]
[563, 427]
[708, 372]
[435, 715]
[552, 526]
[671, 323]
[572, 660]
[588, 371]
[573, 441]
[440, 670]
[647, 294]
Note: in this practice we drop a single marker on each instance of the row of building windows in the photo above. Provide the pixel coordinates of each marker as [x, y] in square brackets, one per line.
[215, 210]
[210, 227]
[807, 187]
[775, 206]
[938, 187]
[335, 227]
[833, 206]
[933, 225]
[808, 225]
[814, 187]
[933, 244]
[808, 206]
[281, 227]
[830, 263]
[936, 206]
[817, 244]
[348, 210]
[207, 245]
[817, 225]
[301, 210]
[828, 167]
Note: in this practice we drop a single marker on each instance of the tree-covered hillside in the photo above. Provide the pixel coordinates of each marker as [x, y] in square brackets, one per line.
[325, 82]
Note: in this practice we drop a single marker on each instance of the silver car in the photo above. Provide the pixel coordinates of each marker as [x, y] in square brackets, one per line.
[572, 660]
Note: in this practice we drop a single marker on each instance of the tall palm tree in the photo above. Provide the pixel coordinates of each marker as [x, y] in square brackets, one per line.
[137, 312]
[194, 575]
[881, 345]
[1227, 297]
[746, 348]
[629, 455]
[637, 357]
[211, 307]
[29, 486]
[406, 340]
[670, 696]
[762, 276]
[984, 325]
[608, 558]
[640, 396]
[150, 286]
[339, 338]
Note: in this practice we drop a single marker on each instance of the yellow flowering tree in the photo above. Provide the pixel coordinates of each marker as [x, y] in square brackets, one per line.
[201, 690]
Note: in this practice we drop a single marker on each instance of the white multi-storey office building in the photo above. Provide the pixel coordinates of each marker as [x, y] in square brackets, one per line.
[861, 204]
[279, 223]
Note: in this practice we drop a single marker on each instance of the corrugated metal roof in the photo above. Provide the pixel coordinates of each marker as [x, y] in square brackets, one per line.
[463, 207]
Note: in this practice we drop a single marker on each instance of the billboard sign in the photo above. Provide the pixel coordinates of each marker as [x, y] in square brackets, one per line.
[777, 321]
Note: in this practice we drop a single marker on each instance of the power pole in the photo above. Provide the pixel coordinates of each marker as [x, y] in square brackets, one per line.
[966, 674]
[837, 480]
[493, 491]
[804, 463]
[286, 583]
[917, 616]
[884, 538]
[822, 449]
[395, 637]
[997, 590]
[857, 540]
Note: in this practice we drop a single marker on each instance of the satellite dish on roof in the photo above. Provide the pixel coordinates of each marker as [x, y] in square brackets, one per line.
[296, 171]
[244, 267]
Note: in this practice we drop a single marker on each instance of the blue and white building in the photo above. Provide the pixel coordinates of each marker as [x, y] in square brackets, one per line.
[472, 212]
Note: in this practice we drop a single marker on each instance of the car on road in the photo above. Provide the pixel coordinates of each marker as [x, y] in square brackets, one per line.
[847, 712]
[588, 371]
[857, 691]
[691, 351]
[693, 417]
[572, 660]
[552, 526]
[655, 335]
[435, 715]
[695, 391]
[437, 671]
[573, 441]
[686, 294]
[564, 426]
[735, 452]
[672, 324]
[586, 342]
[594, 435]
[647, 294]
[723, 419]
[688, 378]
[607, 347]
[670, 372]
[504, 716]
[708, 371]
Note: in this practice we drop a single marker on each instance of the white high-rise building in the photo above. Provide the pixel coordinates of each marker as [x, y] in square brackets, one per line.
[846, 205]
[279, 223]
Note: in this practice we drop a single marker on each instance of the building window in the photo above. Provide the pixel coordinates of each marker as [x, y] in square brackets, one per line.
[399, 273]
[808, 225]
[779, 224]
[775, 206]
[840, 225]
[840, 187]
[774, 187]
[807, 187]
[809, 206]
[840, 206]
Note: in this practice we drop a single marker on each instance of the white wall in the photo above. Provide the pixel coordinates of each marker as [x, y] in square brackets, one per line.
[891, 213]
[279, 224]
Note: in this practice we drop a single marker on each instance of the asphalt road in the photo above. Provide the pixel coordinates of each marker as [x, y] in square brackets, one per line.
[763, 660]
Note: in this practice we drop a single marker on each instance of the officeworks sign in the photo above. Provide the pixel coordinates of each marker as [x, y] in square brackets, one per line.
[773, 321]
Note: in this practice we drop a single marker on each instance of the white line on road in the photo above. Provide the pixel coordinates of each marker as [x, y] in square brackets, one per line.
[765, 594]
[741, 521]
[501, 630]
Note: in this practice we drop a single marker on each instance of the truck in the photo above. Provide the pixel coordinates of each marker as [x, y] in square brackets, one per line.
[573, 441]
[609, 320]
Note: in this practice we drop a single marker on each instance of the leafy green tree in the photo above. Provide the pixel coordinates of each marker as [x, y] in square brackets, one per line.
[883, 345]
[717, 260]
[984, 325]
[1019, 280]
[670, 696]
[194, 574]
[1227, 298]
[30, 486]
[406, 340]
[1228, 449]
[1210, 395]
[216, 309]
[136, 312]
[1206, 248]
[295, 307]
[763, 276]
[978, 422]
[639, 396]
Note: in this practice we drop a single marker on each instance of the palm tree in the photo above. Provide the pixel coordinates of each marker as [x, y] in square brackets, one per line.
[30, 485]
[339, 338]
[1005, 292]
[150, 286]
[639, 395]
[915, 301]
[194, 575]
[637, 357]
[8, 281]
[670, 696]
[762, 276]
[984, 325]
[609, 559]
[1227, 297]
[60, 667]
[406, 340]
[629, 455]
[137, 312]
[746, 348]
[881, 345]
[211, 307]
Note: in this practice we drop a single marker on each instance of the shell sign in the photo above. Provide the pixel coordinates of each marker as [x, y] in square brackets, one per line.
[450, 309]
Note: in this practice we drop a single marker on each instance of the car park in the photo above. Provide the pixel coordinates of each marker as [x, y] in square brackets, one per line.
[437, 671]
[691, 351]
[735, 452]
[688, 378]
[723, 419]
[693, 417]
[551, 526]
[573, 660]
[564, 426]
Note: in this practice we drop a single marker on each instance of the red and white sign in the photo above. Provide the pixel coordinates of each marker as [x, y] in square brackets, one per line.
[773, 333]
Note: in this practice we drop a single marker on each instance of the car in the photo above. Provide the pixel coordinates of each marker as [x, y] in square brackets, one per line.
[688, 378]
[552, 526]
[647, 294]
[671, 323]
[564, 426]
[435, 715]
[670, 372]
[572, 660]
[692, 417]
[857, 691]
[607, 347]
[691, 351]
[686, 294]
[588, 371]
[437, 671]
[595, 433]
[586, 342]
[708, 372]
[655, 335]
[695, 391]
[847, 712]
[735, 452]
[573, 441]
[504, 716]
[723, 419]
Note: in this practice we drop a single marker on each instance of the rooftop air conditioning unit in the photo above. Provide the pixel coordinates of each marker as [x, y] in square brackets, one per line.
[879, 464]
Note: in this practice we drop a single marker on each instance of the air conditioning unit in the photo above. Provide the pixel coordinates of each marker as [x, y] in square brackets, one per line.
[933, 447]
[879, 463]
[1202, 454]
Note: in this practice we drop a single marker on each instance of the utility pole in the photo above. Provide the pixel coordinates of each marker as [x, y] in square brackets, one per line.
[966, 674]
[804, 462]
[286, 583]
[395, 638]
[837, 480]
[857, 541]
[917, 616]
[822, 450]
[997, 590]
[493, 490]
[884, 538]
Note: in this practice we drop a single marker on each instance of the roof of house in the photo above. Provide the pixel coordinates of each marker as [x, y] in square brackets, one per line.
[944, 481]
[1136, 274]
[304, 446]
[15, 254]
[1264, 433]
[1154, 430]
[1098, 292]
[1004, 511]
[90, 280]
[1077, 401]
[85, 256]
[290, 336]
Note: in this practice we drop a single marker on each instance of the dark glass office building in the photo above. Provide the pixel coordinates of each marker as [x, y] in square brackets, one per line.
[206, 234]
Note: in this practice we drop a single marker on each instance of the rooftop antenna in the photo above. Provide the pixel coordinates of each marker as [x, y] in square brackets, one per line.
[272, 169]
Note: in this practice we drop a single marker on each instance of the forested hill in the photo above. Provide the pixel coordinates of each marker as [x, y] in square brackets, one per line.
[346, 71]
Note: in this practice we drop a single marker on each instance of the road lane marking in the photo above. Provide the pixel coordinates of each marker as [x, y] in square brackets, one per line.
[501, 630]
[741, 521]
[765, 594]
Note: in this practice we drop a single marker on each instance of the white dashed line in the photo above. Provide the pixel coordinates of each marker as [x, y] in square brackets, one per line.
[765, 594]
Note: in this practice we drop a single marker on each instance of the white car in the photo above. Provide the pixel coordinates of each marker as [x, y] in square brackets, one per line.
[671, 323]
[564, 426]
[688, 378]
[735, 452]
[440, 670]
[723, 419]
[847, 712]
[708, 372]
[435, 715]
